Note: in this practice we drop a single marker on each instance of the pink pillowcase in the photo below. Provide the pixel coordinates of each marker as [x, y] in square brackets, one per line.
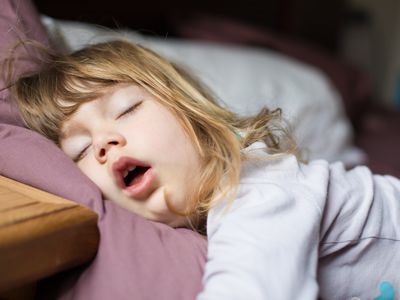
[136, 258]
[16, 19]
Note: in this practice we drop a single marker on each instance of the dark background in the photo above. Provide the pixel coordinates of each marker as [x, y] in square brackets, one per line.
[315, 21]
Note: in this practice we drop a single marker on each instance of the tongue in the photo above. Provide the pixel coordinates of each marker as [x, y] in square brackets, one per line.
[137, 179]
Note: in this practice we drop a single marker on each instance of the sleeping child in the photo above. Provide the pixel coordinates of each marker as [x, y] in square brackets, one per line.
[156, 142]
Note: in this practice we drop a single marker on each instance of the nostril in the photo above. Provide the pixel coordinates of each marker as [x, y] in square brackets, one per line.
[102, 152]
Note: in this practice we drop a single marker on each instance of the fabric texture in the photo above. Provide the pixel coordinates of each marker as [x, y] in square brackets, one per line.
[300, 231]
[19, 21]
[136, 258]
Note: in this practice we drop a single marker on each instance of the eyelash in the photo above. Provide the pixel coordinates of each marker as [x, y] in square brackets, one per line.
[127, 112]
[130, 110]
[80, 155]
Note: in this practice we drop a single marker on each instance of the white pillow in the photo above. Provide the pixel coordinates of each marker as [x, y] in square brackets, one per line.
[246, 79]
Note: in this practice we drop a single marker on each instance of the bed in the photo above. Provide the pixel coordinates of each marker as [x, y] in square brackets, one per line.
[121, 255]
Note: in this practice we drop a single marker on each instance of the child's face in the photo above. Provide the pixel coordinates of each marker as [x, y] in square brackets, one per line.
[128, 128]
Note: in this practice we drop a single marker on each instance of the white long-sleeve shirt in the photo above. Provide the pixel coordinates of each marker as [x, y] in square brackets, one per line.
[304, 231]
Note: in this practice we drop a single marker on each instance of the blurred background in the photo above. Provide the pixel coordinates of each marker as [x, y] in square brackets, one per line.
[362, 32]
[355, 42]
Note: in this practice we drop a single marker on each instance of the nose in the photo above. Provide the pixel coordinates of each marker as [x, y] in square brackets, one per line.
[105, 142]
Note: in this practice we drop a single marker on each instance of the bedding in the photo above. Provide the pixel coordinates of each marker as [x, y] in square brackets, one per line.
[245, 79]
[353, 84]
[133, 253]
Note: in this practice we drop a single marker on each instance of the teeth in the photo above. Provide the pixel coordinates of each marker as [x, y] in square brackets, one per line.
[128, 170]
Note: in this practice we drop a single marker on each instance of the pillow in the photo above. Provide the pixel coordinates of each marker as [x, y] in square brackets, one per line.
[353, 84]
[246, 79]
[136, 258]
[13, 27]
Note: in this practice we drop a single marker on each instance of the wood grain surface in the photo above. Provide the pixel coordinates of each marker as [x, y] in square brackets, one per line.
[41, 234]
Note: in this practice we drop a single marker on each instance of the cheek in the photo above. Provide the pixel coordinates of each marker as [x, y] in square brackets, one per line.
[172, 146]
[93, 171]
[171, 137]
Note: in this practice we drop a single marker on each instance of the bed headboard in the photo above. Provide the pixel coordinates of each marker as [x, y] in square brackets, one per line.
[318, 22]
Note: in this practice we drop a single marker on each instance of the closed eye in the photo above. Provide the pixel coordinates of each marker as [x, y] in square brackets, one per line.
[81, 154]
[130, 110]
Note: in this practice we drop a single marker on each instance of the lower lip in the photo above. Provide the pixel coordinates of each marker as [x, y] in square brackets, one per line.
[142, 189]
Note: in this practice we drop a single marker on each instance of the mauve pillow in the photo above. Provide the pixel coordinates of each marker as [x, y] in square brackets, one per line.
[18, 21]
[136, 258]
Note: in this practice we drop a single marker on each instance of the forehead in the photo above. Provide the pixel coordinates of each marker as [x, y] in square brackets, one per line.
[109, 98]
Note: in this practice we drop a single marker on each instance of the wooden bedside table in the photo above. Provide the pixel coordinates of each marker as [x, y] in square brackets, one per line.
[40, 234]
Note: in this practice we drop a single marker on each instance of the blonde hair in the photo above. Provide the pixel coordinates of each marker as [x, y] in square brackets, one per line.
[218, 134]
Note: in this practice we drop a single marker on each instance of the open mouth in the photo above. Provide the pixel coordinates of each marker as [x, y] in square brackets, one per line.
[134, 175]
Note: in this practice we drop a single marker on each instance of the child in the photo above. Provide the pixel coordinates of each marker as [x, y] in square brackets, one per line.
[156, 142]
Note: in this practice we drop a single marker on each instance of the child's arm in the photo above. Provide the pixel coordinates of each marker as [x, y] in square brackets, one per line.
[266, 248]
[360, 235]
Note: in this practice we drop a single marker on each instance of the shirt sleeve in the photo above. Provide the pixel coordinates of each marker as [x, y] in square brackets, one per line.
[266, 247]
[360, 235]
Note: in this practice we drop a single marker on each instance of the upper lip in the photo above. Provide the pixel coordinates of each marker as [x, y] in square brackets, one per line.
[122, 164]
